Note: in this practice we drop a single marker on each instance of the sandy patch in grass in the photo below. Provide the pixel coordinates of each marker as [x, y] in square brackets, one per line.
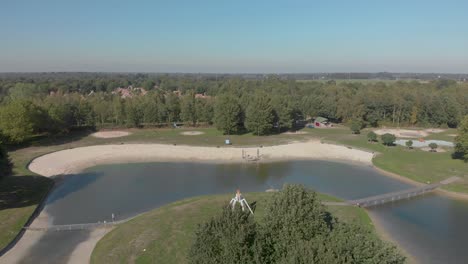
[452, 135]
[402, 133]
[192, 133]
[295, 133]
[434, 130]
[409, 133]
[110, 134]
[437, 150]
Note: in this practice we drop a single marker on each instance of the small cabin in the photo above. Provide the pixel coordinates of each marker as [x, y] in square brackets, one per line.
[321, 122]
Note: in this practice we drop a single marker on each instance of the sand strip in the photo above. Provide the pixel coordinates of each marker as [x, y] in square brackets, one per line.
[75, 160]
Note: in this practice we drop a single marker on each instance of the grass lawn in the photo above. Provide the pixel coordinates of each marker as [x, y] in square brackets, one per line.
[164, 235]
[415, 164]
[19, 197]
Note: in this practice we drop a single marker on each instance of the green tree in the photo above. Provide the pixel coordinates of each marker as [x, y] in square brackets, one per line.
[356, 126]
[461, 141]
[204, 109]
[388, 139]
[259, 115]
[298, 229]
[228, 238]
[283, 112]
[433, 146]
[409, 144]
[173, 108]
[228, 114]
[19, 120]
[371, 136]
[188, 111]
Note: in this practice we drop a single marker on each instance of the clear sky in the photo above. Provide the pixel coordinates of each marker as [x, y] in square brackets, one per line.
[234, 36]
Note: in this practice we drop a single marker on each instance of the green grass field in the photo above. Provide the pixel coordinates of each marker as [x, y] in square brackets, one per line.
[164, 235]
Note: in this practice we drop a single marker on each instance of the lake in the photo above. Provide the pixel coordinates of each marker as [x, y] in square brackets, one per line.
[432, 228]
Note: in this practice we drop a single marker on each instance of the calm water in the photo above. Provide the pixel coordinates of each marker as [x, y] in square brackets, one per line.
[432, 228]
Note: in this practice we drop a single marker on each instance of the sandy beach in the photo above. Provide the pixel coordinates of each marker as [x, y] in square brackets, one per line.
[75, 160]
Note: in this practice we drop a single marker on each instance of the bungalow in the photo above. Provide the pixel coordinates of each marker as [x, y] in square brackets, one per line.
[321, 122]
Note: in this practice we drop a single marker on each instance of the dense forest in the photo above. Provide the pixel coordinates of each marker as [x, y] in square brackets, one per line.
[58, 103]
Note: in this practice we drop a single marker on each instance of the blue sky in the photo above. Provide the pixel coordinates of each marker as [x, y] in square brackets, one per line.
[234, 36]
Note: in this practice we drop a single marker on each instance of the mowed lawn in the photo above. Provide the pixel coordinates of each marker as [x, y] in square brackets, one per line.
[165, 235]
[415, 164]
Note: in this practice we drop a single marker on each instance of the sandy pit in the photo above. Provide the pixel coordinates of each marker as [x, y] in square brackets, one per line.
[437, 150]
[192, 133]
[294, 133]
[408, 133]
[110, 134]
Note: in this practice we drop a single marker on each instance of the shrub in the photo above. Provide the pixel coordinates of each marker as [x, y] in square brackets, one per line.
[372, 136]
[388, 139]
[409, 143]
[356, 127]
[433, 146]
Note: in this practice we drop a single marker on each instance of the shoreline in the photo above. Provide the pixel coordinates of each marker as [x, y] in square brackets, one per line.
[75, 160]
[386, 236]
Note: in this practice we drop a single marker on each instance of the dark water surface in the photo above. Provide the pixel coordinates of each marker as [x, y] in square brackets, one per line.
[432, 228]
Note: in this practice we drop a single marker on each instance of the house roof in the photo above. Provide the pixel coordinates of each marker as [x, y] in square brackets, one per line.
[321, 119]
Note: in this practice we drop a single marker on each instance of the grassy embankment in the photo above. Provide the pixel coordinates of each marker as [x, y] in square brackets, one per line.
[164, 235]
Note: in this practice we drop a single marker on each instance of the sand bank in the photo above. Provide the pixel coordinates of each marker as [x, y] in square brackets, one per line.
[75, 160]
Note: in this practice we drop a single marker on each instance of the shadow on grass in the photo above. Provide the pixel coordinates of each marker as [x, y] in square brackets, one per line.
[52, 139]
[23, 191]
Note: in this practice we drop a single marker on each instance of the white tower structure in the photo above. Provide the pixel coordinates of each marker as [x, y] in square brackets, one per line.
[241, 200]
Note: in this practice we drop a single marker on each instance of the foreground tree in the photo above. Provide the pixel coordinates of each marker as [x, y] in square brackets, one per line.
[228, 114]
[461, 141]
[228, 238]
[296, 228]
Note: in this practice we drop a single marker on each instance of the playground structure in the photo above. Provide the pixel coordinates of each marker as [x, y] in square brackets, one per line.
[241, 200]
[249, 157]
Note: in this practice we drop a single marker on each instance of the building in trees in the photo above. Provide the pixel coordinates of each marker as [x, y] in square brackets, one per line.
[321, 122]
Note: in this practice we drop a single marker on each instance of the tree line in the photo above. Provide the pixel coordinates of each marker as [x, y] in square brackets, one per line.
[33, 106]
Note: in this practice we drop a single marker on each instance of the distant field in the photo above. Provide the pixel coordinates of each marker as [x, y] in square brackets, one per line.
[358, 80]
[164, 235]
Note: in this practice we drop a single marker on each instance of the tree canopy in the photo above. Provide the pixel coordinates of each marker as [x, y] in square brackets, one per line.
[235, 104]
[461, 141]
[295, 229]
[228, 114]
